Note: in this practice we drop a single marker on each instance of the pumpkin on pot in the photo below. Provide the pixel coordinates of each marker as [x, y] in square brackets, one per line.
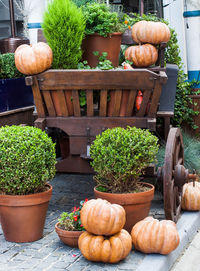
[152, 236]
[150, 32]
[33, 59]
[102, 218]
[98, 248]
[191, 197]
[142, 55]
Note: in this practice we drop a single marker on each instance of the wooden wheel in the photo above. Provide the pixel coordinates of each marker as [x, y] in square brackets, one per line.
[172, 186]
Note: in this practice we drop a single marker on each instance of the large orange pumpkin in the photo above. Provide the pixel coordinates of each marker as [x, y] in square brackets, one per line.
[191, 197]
[151, 236]
[109, 250]
[150, 32]
[33, 59]
[100, 217]
[142, 55]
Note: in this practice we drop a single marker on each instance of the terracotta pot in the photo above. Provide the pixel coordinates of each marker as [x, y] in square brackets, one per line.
[136, 205]
[23, 217]
[95, 42]
[69, 238]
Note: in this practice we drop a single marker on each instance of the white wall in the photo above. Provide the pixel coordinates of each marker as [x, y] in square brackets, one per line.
[173, 12]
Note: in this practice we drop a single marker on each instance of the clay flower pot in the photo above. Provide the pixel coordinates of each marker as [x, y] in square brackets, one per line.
[95, 42]
[23, 216]
[69, 238]
[136, 205]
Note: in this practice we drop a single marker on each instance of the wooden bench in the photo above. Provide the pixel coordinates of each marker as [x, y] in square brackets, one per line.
[56, 95]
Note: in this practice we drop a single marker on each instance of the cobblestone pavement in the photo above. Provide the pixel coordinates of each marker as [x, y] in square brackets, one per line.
[49, 253]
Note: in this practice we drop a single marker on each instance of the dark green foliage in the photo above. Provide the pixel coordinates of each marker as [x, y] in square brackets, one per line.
[191, 153]
[99, 19]
[119, 156]
[182, 111]
[7, 67]
[64, 27]
[27, 160]
[81, 3]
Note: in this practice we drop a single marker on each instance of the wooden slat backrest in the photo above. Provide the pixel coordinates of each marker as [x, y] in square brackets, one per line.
[67, 84]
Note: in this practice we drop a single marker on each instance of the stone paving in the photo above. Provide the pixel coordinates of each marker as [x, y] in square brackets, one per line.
[49, 253]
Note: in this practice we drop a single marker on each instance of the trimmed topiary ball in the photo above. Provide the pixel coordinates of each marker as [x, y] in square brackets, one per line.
[27, 160]
[119, 157]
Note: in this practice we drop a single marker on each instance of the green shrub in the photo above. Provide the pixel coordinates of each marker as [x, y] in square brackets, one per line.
[27, 160]
[7, 67]
[119, 156]
[64, 27]
[99, 19]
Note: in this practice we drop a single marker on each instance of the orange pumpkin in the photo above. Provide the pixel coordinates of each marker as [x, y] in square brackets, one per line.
[109, 250]
[142, 55]
[33, 59]
[102, 218]
[191, 197]
[150, 32]
[151, 236]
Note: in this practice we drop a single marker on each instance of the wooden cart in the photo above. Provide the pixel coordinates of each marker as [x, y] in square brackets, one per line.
[56, 94]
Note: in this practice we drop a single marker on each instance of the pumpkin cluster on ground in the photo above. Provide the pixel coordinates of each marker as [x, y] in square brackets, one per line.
[104, 239]
[145, 34]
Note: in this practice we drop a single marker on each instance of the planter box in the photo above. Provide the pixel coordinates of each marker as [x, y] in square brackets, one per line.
[14, 94]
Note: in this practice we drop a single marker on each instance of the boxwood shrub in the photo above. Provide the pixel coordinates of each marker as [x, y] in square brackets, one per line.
[27, 160]
[119, 156]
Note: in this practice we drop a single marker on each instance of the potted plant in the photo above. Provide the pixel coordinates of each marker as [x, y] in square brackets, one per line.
[69, 226]
[119, 157]
[103, 33]
[27, 162]
[13, 91]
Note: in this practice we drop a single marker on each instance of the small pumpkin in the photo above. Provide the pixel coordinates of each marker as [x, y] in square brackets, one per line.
[33, 59]
[151, 236]
[191, 196]
[142, 55]
[150, 32]
[98, 248]
[100, 217]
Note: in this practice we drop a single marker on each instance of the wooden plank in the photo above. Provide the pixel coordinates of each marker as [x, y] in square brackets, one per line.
[62, 103]
[97, 79]
[76, 126]
[49, 103]
[76, 104]
[89, 98]
[38, 98]
[103, 102]
[131, 102]
[117, 103]
[145, 101]
[155, 99]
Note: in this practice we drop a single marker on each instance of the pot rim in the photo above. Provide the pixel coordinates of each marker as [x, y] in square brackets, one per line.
[64, 232]
[128, 198]
[144, 192]
[112, 34]
[27, 200]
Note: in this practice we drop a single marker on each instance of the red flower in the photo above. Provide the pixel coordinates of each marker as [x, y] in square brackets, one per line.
[75, 218]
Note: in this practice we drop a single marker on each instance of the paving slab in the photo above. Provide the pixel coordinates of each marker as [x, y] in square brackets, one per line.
[49, 253]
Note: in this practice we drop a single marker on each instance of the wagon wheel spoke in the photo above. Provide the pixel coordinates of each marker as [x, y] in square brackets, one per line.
[173, 156]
